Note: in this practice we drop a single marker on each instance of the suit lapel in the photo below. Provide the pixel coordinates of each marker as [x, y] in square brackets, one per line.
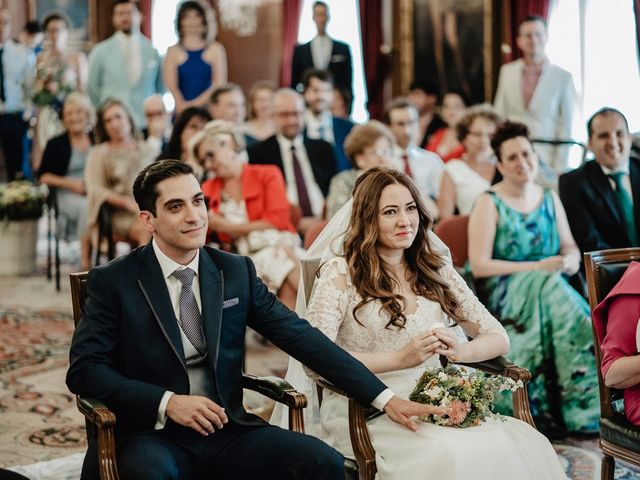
[603, 188]
[154, 288]
[211, 297]
[541, 91]
[634, 177]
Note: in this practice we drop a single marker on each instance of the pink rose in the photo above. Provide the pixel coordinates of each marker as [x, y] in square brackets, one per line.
[459, 410]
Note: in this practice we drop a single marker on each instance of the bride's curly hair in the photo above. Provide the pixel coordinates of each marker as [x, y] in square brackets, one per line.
[369, 274]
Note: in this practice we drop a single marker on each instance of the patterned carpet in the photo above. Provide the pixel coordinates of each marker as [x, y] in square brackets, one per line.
[39, 421]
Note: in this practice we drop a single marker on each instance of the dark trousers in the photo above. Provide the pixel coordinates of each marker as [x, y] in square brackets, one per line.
[234, 452]
[12, 131]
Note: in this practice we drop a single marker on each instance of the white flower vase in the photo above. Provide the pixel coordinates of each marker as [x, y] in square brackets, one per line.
[18, 239]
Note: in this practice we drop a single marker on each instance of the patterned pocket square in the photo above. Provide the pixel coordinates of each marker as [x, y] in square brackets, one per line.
[231, 302]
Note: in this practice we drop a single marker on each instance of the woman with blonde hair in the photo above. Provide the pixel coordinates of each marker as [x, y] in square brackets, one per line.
[248, 208]
[197, 64]
[63, 163]
[260, 124]
[367, 146]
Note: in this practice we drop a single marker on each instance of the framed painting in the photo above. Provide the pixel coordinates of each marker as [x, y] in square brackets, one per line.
[449, 42]
[81, 14]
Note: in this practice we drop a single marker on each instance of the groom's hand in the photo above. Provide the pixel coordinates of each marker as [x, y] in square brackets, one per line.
[401, 411]
[196, 412]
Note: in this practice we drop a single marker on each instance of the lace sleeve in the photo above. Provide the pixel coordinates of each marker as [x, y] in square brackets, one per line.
[472, 309]
[330, 298]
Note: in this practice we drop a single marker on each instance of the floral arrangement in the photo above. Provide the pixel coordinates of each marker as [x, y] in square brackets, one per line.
[469, 394]
[51, 86]
[20, 200]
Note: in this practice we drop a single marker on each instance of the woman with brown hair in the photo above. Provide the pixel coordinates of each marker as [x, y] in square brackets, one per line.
[112, 167]
[260, 124]
[395, 303]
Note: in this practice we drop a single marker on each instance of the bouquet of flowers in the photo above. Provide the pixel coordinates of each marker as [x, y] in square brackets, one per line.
[469, 394]
[51, 86]
[20, 200]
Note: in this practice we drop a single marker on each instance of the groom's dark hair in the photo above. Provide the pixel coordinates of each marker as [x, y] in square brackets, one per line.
[144, 187]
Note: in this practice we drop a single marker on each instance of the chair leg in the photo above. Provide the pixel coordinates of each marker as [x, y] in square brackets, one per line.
[57, 260]
[49, 237]
[608, 467]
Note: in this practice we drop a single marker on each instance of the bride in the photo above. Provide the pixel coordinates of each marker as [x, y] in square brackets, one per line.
[383, 293]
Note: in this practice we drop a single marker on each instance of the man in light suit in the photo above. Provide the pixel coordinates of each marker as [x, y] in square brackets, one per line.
[602, 197]
[537, 93]
[322, 53]
[307, 164]
[125, 65]
[318, 121]
[161, 343]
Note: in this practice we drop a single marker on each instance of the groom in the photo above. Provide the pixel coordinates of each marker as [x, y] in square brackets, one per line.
[161, 342]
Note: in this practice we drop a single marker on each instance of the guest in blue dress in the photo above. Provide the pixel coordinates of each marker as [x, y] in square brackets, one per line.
[521, 251]
[197, 64]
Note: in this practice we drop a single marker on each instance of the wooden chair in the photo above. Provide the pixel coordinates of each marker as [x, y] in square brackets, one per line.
[100, 421]
[619, 439]
[53, 251]
[364, 467]
[453, 232]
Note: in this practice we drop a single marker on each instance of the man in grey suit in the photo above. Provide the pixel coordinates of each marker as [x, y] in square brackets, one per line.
[125, 65]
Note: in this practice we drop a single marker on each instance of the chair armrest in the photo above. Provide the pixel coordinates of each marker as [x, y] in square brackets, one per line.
[281, 391]
[102, 421]
[96, 412]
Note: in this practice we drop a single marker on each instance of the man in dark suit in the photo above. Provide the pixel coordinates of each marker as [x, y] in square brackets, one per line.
[318, 121]
[161, 342]
[307, 165]
[322, 53]
[602, 198]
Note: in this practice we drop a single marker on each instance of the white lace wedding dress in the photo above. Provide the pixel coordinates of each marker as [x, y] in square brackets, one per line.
[497, 449]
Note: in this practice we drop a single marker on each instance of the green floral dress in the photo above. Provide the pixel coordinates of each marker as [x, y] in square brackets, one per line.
[547, 321]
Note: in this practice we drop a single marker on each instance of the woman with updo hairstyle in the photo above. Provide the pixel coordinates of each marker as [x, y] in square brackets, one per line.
[248, 208]
[367, 146]
[394, 301]
[195, 66]
[521, 252]
[475, 171]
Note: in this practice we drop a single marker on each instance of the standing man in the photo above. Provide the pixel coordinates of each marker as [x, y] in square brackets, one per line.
[323, 53]
[425, 96]
[16, 76]
[125, 66]
[161, 343]
[424, 167]
[602, 197]
[319, 122]
[537, 93]
[307, 165]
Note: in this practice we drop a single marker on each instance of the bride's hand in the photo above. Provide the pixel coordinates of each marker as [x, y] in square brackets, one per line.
[420, 348]
[451, 347]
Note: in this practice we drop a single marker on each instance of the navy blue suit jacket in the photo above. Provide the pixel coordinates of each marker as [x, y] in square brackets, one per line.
[592, 210]
[126, 350]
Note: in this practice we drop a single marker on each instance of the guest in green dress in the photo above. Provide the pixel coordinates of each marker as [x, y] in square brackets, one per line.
[367, 146]
[521, 251]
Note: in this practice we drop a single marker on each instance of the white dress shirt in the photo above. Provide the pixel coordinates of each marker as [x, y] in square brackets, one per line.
[320, 127]
[132, 55]
[316, 198]
[321, 48]
[174, 286]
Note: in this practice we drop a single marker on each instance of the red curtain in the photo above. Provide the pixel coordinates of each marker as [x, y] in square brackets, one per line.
[376, 64]
[519, 10]
[146, 10]
[290, 24]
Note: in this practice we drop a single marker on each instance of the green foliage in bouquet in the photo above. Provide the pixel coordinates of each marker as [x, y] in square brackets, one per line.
[469, 394]
[50, 87]
[20, 200]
